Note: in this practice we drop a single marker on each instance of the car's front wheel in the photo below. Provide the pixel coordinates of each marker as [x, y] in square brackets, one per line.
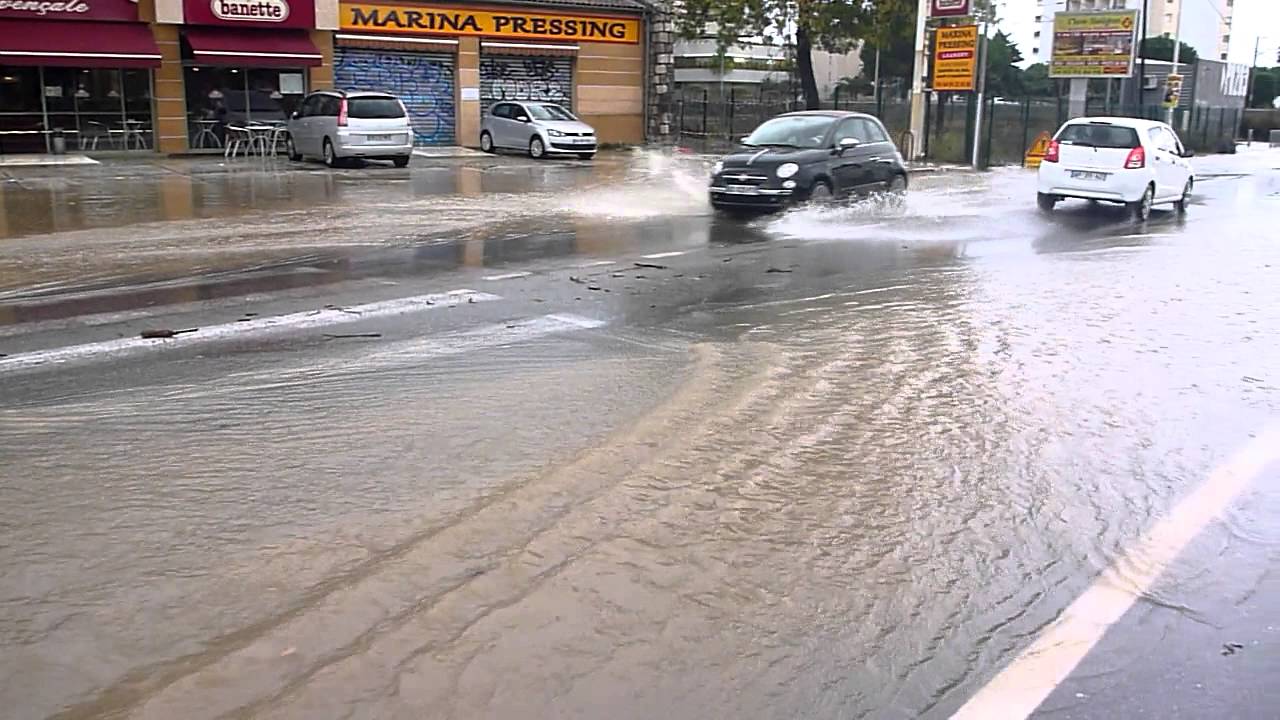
[486, 141]
[1141, 209]
[292, 149]
[820, 193]
[537, 150]
[1046, 202]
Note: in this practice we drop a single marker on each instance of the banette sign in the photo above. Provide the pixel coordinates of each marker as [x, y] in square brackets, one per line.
[251, 13]
[269, 11]
[123, 10]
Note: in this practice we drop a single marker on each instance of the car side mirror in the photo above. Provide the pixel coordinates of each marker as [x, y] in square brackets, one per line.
[1188, 152]
[522, 118]
[847, 144]
[295, 115]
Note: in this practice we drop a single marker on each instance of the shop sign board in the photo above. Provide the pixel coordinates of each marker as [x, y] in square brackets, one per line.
[1093, 44]
[513, 24]
[955, 58]
[950, 8]
[96, 10]
[251, 13]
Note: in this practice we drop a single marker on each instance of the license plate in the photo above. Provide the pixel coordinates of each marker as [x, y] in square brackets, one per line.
[1082, 175]
[381, 138]
[742, 189]
[583, 141]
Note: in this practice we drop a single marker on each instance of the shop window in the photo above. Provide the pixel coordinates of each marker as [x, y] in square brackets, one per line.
[221, 96]
[97, 108]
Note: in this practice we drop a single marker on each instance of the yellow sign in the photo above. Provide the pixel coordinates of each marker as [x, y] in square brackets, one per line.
[1172, 91]
[1093, 44]
[955, 58]
[443, 20]
[1039, 148]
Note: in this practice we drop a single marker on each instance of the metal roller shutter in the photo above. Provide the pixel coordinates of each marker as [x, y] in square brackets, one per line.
[543, 79]
[423, 82]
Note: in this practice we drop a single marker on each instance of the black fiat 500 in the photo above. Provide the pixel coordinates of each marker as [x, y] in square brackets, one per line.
[808, 156]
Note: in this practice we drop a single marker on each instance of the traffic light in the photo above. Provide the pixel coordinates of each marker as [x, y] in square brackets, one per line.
[1172, 91]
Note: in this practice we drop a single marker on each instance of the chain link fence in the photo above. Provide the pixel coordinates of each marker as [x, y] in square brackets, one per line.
[713, 119]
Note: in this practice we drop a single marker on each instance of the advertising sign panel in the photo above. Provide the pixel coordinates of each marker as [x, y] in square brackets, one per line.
[514, 24]
[1093, 44]
[955, 58]
[949, 8]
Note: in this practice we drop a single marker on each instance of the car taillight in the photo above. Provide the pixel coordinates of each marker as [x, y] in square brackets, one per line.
[1051, 155]
[342, 113]
[1137, 159]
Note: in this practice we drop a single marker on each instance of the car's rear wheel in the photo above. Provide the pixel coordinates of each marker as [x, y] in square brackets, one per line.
[1142, 208]
[330, 157]
[537, 150]
[294, 155]
[486, 141]
[1181, 205]
[402, 161]
[1046, 202]
[820, 193]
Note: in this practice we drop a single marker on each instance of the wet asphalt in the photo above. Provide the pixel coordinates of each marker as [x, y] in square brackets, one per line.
[496, 438]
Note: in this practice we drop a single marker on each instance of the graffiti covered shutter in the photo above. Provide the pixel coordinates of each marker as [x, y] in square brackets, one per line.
[542, 79]
[423, 82]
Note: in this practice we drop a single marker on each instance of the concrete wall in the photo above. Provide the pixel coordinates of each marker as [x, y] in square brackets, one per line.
[609, 90]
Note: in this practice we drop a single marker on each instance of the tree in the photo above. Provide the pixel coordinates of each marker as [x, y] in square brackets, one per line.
[1161, 48]
[1266, 86]
[1036, 81]
[831, 25]
[892, 34]
[1004, 77]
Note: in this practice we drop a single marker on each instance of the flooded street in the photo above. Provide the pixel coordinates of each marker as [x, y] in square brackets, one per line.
[504, 439]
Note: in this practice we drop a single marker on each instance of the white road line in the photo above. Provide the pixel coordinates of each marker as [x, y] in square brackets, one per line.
[508, 276]
[250, 328]
[655, 256]
[404, 353]
[1021, 687]
[598, 263]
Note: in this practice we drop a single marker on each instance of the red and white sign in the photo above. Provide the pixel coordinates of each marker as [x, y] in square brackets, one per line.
[949, 8]
[269, 11]
[123, 10]
[251, 13]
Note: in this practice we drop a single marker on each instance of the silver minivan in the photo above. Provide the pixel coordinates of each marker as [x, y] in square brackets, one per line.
[335, 126]
[539, 128]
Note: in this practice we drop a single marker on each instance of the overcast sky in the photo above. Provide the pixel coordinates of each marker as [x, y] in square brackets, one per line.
[1253, 18]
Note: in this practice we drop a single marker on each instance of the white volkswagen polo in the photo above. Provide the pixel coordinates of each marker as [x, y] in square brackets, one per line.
[1139, 163]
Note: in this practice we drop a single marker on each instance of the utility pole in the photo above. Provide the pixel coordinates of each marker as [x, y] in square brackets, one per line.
[917, 81]
[982, 86]
[1142, 62]
[1177, 47]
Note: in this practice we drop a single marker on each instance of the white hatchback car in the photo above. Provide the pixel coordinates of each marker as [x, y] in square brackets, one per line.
[1139, 163]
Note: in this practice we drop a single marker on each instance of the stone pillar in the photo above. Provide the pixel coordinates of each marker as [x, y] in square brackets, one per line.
[171, 131]
[468, 120]
[320, 76]
[661, 74]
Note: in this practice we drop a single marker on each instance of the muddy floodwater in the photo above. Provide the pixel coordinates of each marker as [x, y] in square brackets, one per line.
[839, 463]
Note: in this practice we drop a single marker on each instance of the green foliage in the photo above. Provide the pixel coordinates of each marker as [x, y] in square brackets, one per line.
[1161, 48]
[1266, 86]
[1036, 81]
[1004, 77]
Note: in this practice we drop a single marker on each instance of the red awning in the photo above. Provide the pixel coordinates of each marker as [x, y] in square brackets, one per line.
[76, 43]
[252, 48]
